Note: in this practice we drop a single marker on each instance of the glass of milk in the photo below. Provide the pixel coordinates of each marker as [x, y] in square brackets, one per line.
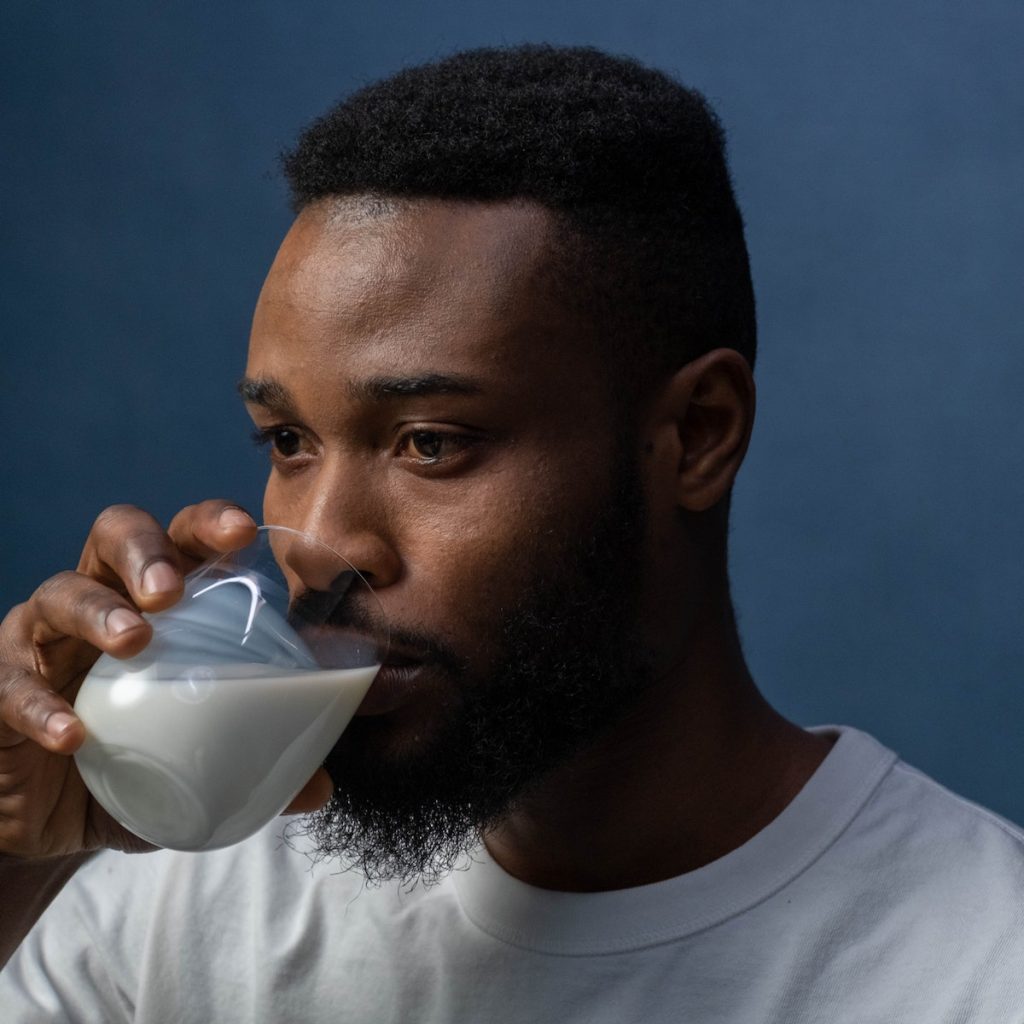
[248, 681]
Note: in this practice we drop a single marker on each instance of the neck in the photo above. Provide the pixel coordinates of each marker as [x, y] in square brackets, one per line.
[701, 765]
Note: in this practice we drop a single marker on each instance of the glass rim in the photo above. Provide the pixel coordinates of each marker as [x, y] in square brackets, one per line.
[381, 638]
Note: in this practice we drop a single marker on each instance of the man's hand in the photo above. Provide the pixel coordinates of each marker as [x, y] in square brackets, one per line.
[49, 643]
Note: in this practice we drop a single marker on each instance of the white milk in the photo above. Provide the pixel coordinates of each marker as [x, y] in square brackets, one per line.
[199, 759]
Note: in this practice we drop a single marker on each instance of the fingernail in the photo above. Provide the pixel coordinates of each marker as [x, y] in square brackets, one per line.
[233, 518]
[159, 578]
[120, 620]
[58, 723]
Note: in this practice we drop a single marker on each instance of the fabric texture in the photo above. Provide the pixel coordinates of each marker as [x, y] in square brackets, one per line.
[876, 896]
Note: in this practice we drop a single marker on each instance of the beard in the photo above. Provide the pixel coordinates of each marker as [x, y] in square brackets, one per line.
[569, 668]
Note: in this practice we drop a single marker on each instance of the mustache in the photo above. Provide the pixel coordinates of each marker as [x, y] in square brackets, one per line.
[353, 613]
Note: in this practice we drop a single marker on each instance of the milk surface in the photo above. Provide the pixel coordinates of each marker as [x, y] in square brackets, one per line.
[196, 759]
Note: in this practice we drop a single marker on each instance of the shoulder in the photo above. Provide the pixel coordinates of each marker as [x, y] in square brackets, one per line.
[908, 824]
[936, 830]
[921, 861]
[914, 910]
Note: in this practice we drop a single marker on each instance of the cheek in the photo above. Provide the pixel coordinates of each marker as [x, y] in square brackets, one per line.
[469, 548]
[474, 555]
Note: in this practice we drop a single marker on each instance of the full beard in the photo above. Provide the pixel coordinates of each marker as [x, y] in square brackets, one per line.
[570, 667]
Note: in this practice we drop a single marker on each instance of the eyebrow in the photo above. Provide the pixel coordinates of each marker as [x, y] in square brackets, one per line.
[273, 395]
[266, 392]
[405, 387]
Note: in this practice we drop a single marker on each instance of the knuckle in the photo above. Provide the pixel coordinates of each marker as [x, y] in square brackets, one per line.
[193, 520]
[30, 702]
[15, 648]
[13, 683]
[130, 537]
[113, 517]
[11, 627]
[187, 513]
[55, 588]
[90, 605]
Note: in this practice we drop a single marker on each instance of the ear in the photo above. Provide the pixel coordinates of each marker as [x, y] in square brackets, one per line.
[702, 422]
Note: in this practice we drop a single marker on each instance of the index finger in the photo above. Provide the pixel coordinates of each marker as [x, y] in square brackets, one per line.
[30, 709]
[131, 552]
[211, 528]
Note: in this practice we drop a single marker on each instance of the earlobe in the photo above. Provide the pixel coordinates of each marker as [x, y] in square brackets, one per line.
[710, 402]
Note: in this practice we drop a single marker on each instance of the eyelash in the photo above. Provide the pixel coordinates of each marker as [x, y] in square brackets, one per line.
[268, 435]
[460, 442]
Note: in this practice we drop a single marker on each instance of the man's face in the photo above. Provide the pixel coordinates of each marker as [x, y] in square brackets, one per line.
[432, 416]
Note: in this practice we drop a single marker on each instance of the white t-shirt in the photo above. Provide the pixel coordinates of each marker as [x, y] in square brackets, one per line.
[876, 896]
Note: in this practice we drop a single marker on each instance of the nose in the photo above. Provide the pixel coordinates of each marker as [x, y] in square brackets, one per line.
[318, 566]
[327, 604]
[340, 512]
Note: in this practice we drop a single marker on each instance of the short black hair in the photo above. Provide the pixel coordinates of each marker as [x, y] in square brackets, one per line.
[631, 163]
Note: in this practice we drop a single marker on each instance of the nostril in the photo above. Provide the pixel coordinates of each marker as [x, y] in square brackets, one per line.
[368, 554]
[318, 567]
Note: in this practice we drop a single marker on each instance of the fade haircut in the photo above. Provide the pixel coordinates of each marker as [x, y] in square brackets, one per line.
[650, 251]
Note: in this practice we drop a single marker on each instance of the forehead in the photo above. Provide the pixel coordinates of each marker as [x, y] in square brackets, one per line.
[416, 285]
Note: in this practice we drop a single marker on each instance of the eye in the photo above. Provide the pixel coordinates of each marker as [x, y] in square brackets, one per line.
[285, 442]
[426, 444]
[436, 447]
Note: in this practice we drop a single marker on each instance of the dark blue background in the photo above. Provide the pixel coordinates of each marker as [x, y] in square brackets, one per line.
[877, 149]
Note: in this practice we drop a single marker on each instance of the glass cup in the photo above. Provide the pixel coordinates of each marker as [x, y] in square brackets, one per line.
[248, 681]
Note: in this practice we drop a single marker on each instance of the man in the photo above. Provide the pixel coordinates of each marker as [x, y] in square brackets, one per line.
[503, 362]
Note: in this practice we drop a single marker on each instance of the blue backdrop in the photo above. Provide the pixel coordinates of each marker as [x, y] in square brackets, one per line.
[877, 150]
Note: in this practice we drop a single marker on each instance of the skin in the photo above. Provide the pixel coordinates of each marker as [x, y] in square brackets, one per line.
[435, 496]
[440, 539]
[452, 289]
